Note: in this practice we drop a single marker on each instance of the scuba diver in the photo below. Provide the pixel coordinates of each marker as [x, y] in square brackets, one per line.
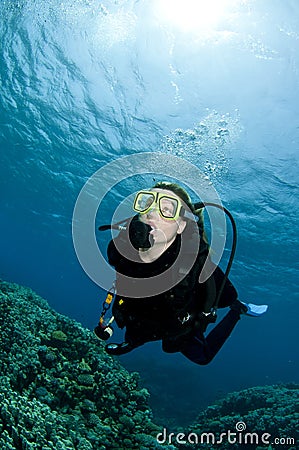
[167, 287]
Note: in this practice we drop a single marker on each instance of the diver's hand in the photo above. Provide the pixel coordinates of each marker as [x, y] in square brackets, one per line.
[139, 233]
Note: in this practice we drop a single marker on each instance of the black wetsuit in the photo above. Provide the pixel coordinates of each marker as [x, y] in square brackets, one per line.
[164, 316]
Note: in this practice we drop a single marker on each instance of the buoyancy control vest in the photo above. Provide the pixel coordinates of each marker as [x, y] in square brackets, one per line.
[186, 295]
[172, 312]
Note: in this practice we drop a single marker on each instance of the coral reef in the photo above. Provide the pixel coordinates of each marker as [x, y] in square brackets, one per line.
[59, 389]
[256, 418]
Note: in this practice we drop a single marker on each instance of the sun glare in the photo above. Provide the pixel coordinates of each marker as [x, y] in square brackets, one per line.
[194, 15]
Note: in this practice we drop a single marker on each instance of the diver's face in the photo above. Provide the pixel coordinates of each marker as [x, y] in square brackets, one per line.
[164, 231]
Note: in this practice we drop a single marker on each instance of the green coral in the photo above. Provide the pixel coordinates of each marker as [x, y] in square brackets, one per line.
[85, 379]
[83, 366]
[265, 409]
[60, 389]
[59, 335]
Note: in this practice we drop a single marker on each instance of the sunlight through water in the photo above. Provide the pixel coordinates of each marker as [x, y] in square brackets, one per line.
[195, 15]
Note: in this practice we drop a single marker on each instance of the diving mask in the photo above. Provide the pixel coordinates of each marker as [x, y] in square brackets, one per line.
[169, 207]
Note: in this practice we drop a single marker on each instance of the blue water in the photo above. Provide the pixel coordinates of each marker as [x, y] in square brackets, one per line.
[84, 83]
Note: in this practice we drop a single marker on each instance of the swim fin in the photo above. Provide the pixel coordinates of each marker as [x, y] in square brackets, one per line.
[254, 310]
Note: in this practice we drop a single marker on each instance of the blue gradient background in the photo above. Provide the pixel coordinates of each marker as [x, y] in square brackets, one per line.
[83, 83]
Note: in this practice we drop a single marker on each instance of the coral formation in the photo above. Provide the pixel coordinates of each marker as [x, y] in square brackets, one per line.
[59, 389]
[263, 417]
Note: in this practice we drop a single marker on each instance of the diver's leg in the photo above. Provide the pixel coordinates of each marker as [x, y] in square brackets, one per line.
[196, 350]
[221, 332]
[202, 350]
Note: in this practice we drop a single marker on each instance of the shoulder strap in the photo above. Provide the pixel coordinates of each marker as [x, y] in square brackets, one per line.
[187, 287]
